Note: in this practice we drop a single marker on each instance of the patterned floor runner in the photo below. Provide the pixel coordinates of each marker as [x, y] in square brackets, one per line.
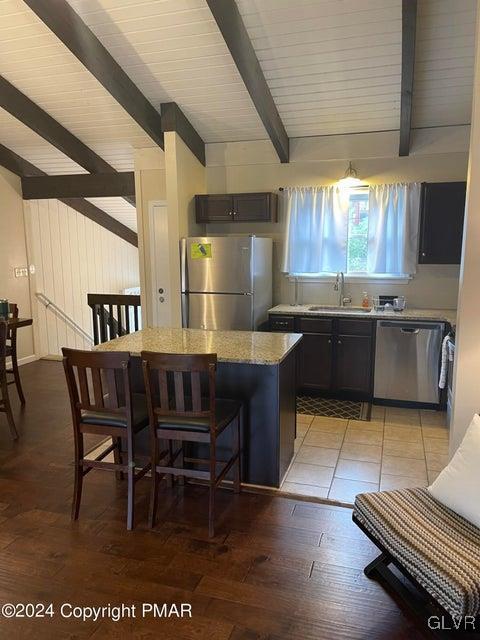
[351, 410]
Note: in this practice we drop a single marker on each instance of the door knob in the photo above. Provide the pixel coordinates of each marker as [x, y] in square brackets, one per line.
[162, 299]
[160, 290]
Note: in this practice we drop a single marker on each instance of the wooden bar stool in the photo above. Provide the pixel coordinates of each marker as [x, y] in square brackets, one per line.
[182, 407]
[114, 411]
[12, 352]
[5, 406]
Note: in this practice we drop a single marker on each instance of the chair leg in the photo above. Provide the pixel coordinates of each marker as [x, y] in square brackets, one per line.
[16, 375]
[118, 457]
[153, 486]
[8, 409]
[211, 497]
[130, 485]
[77, 489]
[211, 510]
[181, 479]
[237, 450]
[170, 464]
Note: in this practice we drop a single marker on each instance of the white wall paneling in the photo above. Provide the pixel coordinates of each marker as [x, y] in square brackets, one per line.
[72, 256]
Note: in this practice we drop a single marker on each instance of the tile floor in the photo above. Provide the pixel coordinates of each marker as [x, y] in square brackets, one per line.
[337, 458]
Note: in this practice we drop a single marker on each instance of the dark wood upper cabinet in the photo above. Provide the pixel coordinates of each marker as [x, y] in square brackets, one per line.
[255, 207]
[441, 225]
[214, 208]
[236, 207]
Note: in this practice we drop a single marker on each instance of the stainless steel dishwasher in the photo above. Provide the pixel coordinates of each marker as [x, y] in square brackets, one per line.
[407, 358]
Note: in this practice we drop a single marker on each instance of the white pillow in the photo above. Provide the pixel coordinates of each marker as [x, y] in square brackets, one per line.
[458, 485]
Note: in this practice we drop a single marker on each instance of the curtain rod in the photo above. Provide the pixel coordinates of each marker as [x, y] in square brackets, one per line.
[360, 186]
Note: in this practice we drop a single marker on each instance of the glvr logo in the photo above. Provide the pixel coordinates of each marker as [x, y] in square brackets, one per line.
[452, 623]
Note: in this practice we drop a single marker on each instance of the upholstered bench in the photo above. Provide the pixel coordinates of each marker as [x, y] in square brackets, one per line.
[438, 550]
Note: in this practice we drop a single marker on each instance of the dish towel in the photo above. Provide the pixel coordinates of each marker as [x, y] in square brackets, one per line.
[444, 369]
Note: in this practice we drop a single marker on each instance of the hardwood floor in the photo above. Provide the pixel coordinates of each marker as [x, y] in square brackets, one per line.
[277, 568]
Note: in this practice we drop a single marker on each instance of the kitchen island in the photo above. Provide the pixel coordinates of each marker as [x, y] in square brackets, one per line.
[257, 368]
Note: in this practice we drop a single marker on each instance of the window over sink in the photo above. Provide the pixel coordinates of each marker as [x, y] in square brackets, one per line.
[357, 238]
[365, 232]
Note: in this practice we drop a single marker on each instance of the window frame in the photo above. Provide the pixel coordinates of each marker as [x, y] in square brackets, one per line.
[358, 277]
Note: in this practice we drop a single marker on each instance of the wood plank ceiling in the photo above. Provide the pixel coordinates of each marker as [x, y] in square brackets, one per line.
[444, 59]
[332, 67]
[174, 51]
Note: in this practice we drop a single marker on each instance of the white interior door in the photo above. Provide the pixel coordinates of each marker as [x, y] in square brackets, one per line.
[160, 264]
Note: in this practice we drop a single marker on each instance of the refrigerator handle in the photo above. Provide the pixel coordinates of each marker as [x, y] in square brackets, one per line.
[185, 311]
[183, 264]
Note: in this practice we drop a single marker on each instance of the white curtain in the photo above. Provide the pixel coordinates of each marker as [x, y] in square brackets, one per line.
[317, 229]
[393, 228]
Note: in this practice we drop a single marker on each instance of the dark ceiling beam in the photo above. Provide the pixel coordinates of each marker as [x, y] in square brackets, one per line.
[22, 168]
[67, 25]
[409, 22]
[70, 29]
[32, 116]
[230, 23]
[173, 119]
[85, 185]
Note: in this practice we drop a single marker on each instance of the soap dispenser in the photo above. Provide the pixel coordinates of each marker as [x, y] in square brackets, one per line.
[365, 300]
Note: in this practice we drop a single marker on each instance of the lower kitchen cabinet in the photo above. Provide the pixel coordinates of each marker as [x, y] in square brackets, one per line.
[314, 363]
[335, 357]
[353, 365]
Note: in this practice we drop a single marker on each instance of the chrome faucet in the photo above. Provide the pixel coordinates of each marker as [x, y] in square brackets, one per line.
[340, 287]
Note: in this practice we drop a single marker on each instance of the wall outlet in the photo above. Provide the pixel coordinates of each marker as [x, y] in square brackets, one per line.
[21, 272]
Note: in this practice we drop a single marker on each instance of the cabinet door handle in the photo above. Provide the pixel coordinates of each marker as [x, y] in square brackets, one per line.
[339, 342]
[229, 213]
[329, 342]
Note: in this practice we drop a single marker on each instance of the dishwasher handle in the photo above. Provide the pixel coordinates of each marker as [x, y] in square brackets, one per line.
[410, 327]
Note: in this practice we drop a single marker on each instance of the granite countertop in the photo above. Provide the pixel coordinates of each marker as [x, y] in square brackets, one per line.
[439, 315]
[246, 347]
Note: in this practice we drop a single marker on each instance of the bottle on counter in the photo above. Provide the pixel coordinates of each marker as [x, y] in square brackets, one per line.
[365, 300]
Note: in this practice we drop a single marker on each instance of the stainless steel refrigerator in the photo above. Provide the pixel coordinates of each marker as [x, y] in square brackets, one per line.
[226, 282]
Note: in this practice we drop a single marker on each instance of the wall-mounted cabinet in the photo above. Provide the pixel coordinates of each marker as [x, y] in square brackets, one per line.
[441, 226]
[236, 207]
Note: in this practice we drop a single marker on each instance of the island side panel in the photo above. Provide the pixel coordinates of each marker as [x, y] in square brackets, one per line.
[288, 411]
[256, 386]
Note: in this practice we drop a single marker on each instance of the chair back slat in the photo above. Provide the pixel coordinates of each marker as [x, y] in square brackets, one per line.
[97, 387]
[12, 331]
[112, 396]
[180, 385]
[3, 345]
[83, 384]
[109, 377]
[196, 391]
[163, 387]
[179, 392]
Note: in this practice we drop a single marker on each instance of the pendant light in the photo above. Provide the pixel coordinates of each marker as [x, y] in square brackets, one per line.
[350, 179]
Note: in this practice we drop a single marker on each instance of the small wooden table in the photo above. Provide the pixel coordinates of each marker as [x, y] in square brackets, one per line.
[19, 322]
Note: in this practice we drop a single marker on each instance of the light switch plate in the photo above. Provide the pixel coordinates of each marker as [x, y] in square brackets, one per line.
[21, 272]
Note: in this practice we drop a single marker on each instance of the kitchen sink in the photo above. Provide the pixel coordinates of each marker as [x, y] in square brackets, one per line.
[340, 309]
